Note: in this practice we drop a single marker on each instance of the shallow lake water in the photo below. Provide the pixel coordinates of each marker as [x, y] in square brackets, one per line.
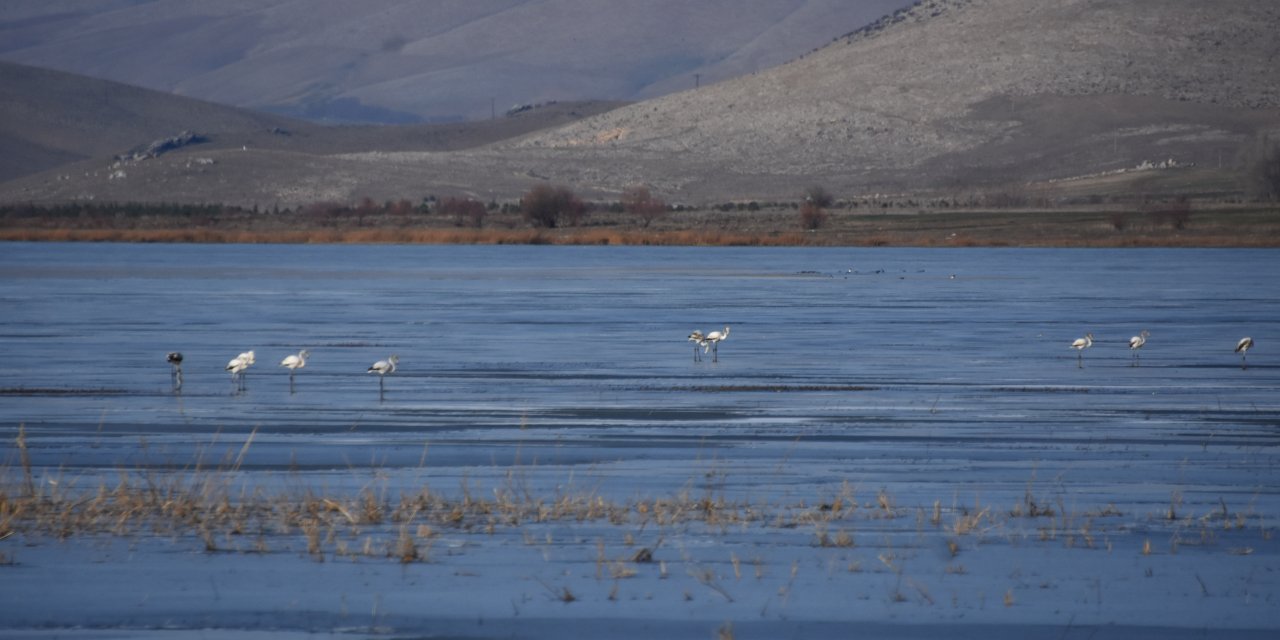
[928, 375]
[584, 349]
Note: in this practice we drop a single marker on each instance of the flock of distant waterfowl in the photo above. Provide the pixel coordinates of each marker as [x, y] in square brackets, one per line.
[239, 364]
[703, 343]
[1137, 342]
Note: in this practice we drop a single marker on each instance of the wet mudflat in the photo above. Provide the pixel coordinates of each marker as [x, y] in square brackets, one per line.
[890, 439]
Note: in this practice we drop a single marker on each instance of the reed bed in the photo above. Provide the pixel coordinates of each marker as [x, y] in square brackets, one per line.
[220, 511]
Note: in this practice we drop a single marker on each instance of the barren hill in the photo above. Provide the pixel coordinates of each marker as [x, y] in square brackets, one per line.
[396, 61]
[958, 92]
[949, 96]
[49, 119]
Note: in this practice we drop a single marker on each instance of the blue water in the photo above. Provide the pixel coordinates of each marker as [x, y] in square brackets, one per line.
[869, 374]
[908, 364]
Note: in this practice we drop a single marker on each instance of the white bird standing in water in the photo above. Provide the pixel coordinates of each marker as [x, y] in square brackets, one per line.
[293, 363]
[1080, 344]
[699, 342]
[712, 341]
[384, 368]
[1242, 348]
[1136, 342]
[175, 358]
[237, 367]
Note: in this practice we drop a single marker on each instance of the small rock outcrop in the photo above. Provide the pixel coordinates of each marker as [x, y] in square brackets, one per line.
[164, 145]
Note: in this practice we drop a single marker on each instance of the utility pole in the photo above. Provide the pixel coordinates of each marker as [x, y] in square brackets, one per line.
[493, 109]
[697, 80]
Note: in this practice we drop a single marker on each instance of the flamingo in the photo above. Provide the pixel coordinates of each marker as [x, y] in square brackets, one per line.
[293, 363]
[698, 340]
[1080, 344]
[712, 342]
[237, 367]
[1242, 348]
[1136, 342]
[175, 358]
[384, 368]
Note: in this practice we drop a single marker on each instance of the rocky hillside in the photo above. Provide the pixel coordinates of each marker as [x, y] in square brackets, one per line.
[1080, 96]
[398, 61]
[48, 118]
[957, 91]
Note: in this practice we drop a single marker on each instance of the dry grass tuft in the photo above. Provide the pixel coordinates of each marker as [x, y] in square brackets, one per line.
[969, 522]
[725, 632]
[212, 509]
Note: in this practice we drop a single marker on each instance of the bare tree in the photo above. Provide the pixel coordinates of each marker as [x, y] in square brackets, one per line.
[638, 202]
[464, 211]
[1176, 214]
[400, 208]
[1262, 167]
[812, 216]
[364, 209]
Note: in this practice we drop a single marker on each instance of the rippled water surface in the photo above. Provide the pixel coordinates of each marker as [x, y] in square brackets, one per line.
[894, 435]
[881, 363]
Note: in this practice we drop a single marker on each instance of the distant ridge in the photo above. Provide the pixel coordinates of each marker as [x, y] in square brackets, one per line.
[1147, 97]
[406, 61]
[965, 91]
[49, 118]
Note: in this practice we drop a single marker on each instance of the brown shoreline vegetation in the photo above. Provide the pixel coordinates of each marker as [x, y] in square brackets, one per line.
[861, 224]
[216, 507]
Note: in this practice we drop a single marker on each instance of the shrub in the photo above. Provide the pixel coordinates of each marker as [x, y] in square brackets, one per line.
[819, 196]
[1175, 214]
[323, 209]
[545, 206]
[1119, 220]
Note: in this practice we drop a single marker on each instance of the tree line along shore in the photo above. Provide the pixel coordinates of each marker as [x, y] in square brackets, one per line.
[558, 217]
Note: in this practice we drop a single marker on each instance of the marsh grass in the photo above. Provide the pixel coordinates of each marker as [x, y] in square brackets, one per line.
[220, 516]
[211, 506]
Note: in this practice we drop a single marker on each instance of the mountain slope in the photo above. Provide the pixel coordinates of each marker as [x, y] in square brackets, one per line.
[405, 60]
[950, 96]
[49, 119]
[1045, 79]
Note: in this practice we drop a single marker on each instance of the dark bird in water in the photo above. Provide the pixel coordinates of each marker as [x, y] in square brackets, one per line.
[175, 358]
